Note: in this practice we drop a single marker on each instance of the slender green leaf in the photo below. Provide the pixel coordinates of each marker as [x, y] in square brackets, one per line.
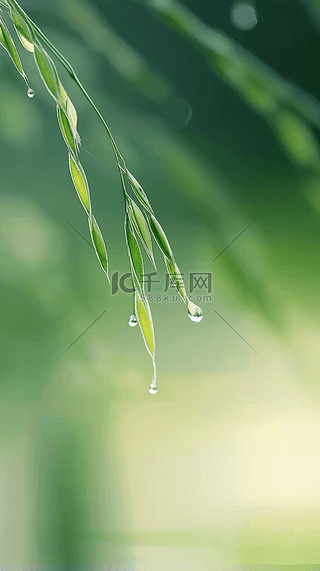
[194, 312]
[143, 314]
[98, 243]
[68, 120]
[176, 278]
[49, 75]
[135, 257]
[71, 112]
[7, 42]
[67, 130]
[26, 44]
[139, 192]
[80, 182]
[67, 115]
[141, 227]
[22, 29]
[141, 303]
[161, 238]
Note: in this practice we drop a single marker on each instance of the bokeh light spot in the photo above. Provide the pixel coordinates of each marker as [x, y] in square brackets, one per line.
[243, 16]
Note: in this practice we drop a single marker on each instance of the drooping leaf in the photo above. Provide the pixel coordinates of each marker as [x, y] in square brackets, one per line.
[176, 278]
[71, 112]
[135, 257]
[67, 117]
[67, 130]
[139, 192]
[142, 308]
[161, 238]
[26, 44]
[49, 75]
[194, 312]
[141, 227]
[143, 314]
[80, 182]
[98, 243]
[7, 42]
[22, 29]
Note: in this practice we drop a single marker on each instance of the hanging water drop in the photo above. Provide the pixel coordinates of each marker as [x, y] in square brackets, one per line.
[153, 389]
[194, 312]
[132, 321]
[196, 317]
[30, 92]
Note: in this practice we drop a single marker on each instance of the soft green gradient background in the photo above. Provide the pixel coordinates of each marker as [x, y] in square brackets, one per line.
[221, 469]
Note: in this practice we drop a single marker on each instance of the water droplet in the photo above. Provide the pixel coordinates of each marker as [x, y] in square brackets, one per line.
[132, 321]
[30, 92]
[194, 312]
[153, 389]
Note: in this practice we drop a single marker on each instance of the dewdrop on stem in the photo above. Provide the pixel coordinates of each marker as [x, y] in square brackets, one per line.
[132, 321]
[194, 312]
[153, 389]
[30, 92]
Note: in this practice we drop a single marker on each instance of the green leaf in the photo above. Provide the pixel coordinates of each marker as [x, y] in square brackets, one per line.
[22, 29]
[176, 278]
[49, 75]
[68, 132]
[142, 308]
[143, 314]
[8, 44]
[141, 228]
[80, 182]
[161, 238]
[98, 243]
[139, 192]
[26, 44]
[71, 112]
[67, 115]
[135, 257]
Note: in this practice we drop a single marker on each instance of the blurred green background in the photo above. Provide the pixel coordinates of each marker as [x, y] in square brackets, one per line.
[215, 108]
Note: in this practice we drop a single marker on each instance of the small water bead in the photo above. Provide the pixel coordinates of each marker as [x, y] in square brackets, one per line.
[194, 312]
[30, 93]
[132, 321]
[197, 317]
[153, 389]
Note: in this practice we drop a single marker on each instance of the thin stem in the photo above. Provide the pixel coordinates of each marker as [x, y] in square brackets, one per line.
[154, 380]
[133, 300]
